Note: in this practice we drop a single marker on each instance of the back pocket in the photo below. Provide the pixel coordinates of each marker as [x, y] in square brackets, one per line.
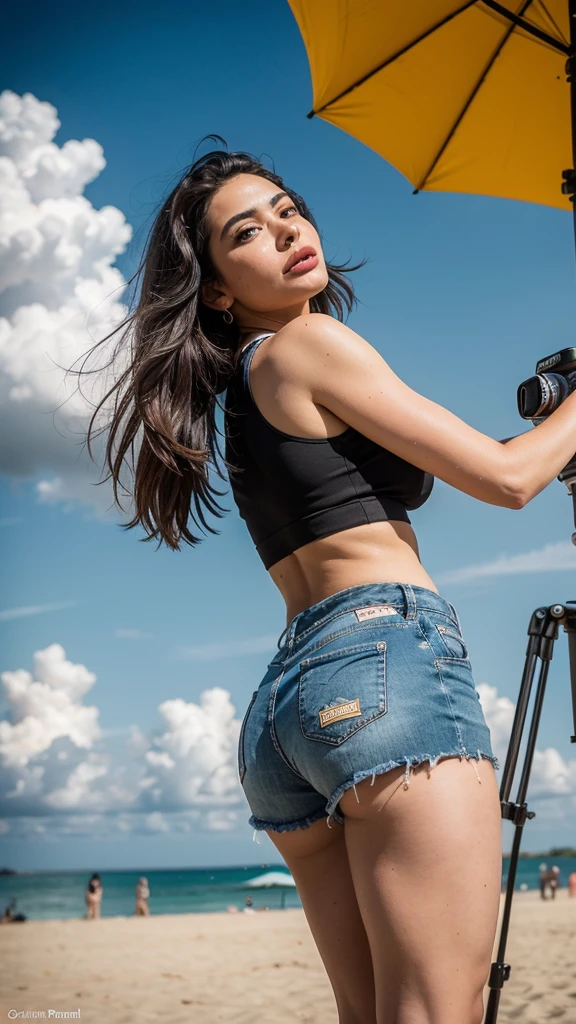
[342, 690]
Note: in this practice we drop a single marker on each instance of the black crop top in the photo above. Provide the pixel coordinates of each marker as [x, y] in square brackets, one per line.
[292, 490]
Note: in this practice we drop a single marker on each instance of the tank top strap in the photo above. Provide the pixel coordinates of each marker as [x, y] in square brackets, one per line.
[246, 357]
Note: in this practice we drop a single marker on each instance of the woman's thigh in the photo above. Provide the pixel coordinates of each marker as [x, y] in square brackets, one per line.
[317, 859]
[426, 866]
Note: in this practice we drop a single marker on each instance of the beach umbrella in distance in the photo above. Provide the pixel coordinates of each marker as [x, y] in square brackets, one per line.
[271, 878]
[473, 97]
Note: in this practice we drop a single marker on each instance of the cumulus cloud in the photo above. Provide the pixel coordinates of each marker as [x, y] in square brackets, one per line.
[56, 769]
[552, 785]
[60, 294]
[192, 761]
[46, 705]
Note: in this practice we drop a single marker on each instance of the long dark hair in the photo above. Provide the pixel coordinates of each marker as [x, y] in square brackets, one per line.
[181, 356]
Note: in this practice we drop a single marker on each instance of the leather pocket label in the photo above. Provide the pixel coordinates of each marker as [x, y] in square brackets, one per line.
[374, 611]
[339, 711]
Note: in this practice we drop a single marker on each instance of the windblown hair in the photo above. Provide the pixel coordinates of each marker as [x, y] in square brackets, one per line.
[181, 357]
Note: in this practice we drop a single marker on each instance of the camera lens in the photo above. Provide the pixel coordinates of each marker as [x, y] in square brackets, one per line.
[540, 395]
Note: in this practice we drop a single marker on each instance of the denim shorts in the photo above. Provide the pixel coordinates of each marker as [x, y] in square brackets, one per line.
[371, 678]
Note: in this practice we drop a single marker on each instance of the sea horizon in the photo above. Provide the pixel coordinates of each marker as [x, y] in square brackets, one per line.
[59, 894]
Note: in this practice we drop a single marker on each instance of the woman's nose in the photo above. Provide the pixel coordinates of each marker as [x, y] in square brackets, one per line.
[290, 236]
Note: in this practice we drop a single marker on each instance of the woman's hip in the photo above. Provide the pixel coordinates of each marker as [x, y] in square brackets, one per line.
[379, 672]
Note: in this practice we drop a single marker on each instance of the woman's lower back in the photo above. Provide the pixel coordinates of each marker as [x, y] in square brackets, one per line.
[384, 552]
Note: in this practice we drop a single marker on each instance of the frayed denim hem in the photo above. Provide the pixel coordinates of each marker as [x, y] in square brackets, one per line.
[410, 763]
[259, 824]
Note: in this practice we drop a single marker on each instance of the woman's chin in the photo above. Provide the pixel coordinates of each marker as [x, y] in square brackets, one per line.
[308, 284]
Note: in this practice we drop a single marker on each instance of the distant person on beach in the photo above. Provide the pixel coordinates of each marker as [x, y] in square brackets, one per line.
[142, 897]
[364, 752]
[549, 880]
[94, 892]
[249, 908]
[9, 916]
[572, 884]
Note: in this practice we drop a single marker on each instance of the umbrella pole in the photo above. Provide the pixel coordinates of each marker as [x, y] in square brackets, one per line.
[569, 184]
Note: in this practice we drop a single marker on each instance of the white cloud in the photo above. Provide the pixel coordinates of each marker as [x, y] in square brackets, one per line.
[499, 714]
[155, 822]
[552, 778]
[551, 558]
[34, 609]
[55, 763]
[61, 294]
[46, 706]
[193, 761]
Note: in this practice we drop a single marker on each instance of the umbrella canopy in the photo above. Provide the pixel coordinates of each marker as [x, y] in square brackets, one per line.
[459, 97]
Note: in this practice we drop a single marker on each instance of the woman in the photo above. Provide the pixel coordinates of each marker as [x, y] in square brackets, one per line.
[371, 686]
[142, 897]
[93, 897]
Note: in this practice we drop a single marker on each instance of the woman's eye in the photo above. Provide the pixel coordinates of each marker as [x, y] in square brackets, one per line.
[239, 236]
[243, 235]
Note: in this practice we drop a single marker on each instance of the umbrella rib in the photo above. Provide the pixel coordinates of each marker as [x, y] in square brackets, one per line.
[470, 99]
[532, 29]
[390, 60]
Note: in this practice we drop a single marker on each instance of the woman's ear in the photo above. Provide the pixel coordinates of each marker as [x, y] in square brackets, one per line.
[214, 298]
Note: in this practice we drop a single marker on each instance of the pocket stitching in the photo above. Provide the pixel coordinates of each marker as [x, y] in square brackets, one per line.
[373, 624]
[354, 649]
[272, 724]
[455, 636]
[381, 648]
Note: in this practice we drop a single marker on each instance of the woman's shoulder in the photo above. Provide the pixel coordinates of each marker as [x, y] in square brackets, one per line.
[314, 345]
[313, 336]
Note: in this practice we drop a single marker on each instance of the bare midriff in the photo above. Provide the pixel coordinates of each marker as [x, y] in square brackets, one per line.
[385, 552]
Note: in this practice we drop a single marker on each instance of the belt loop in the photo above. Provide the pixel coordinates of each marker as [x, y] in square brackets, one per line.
[409, 601]
[288, 632]
[281, 637]
[456, 616]
[291, 632]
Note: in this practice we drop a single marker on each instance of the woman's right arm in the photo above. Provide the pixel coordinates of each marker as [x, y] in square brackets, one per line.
[345, 374]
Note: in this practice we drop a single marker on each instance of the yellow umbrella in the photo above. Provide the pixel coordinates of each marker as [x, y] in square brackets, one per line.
[459, 97]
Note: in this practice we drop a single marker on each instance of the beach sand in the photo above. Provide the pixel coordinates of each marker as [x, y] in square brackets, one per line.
[258, 968]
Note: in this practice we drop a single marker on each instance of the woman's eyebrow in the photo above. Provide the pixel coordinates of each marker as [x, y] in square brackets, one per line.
[250, 213]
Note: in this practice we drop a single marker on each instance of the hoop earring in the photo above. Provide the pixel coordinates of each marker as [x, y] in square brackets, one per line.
[228, 318]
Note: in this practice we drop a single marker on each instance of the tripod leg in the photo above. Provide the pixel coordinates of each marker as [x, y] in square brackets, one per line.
[543, 632]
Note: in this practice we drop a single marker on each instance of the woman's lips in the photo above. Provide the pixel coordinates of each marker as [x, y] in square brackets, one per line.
[308, 263]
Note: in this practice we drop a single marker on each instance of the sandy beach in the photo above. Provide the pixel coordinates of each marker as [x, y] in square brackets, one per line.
[245, 968]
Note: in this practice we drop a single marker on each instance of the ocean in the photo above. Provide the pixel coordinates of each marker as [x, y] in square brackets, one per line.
[45, 895]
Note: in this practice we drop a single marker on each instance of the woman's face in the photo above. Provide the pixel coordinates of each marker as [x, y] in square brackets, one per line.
[254, 230]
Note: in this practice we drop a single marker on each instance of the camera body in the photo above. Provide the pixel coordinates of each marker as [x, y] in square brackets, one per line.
[540, 395]
[554, 380]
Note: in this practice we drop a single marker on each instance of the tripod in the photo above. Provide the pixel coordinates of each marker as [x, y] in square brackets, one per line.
[542, 633]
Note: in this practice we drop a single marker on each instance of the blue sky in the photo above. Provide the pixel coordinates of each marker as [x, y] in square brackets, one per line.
[461, 295]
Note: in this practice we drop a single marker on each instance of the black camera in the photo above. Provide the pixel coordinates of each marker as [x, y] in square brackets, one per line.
[555, 379]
